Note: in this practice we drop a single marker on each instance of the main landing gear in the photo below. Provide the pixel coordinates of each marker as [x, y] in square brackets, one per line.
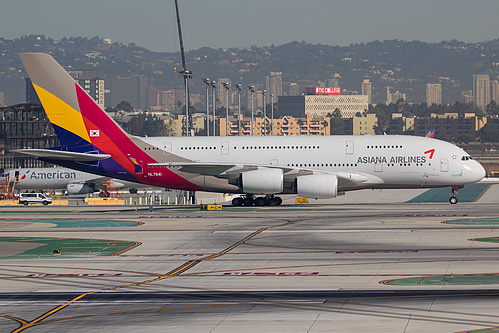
[453, 196]
[250, 200]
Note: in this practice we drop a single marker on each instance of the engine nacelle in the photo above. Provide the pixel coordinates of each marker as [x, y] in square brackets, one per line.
[262, 181]
[76, 188]
[317, 186]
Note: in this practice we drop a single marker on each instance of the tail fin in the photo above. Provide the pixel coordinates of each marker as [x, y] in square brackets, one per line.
[83, 127]
[80, 124]
[76, 118]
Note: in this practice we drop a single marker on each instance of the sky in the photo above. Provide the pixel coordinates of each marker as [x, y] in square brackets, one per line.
[236, 23]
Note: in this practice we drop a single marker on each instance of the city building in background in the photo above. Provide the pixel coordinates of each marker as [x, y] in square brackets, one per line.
[321, 101]
[367, 89]
[14, 91]
[481, 90]
[433, 93]
[349, 105]
[334, 80]
[394, 97]
[450, 125]
[468, 96]
[495, 90]
[401, 125]
[294, 89]
[362, 125]
[90, 82]
[222, 92]
[292, 106]
[133, 89]
[287, 125]
[273, 84]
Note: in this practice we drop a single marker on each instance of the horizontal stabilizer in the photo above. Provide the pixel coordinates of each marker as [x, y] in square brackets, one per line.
[63, 155]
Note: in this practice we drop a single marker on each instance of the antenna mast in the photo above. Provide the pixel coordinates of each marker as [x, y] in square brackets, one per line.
[184, 72]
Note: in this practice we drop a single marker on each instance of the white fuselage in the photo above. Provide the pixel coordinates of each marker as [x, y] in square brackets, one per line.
[387, 161]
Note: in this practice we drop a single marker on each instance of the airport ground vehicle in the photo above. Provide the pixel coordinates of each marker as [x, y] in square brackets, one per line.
[32, 198]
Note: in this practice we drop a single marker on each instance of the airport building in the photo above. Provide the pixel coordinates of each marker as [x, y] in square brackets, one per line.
[24, 126]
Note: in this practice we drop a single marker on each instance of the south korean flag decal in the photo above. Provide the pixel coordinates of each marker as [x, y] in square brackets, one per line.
[94, 133]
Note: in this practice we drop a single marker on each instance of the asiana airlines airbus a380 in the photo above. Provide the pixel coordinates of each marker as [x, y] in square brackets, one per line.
[257, 167]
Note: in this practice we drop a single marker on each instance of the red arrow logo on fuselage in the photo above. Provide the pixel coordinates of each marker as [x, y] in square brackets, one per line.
[431, 152]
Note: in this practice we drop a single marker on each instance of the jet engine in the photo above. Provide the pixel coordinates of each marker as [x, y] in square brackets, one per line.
[262, 181]
[76, 188]
[319, 186]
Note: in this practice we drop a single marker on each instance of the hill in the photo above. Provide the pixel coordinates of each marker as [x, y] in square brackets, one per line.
[405, 66]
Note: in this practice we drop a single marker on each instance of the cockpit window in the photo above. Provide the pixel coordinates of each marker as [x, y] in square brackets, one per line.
[466, 158]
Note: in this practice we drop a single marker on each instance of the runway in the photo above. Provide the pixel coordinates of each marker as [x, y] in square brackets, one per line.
[330, 267]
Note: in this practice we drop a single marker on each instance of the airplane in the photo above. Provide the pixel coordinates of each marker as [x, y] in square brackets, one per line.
[257, 167]
[60, 178]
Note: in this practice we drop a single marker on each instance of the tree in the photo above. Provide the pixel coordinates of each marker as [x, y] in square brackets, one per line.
[492, 108]
[336, 121]
[489, 133]
[147, 125]
[124, 106]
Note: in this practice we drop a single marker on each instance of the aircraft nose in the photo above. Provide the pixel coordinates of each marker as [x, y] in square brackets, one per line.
[478, 172]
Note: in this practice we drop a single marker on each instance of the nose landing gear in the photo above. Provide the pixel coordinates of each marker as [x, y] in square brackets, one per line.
[453, 196]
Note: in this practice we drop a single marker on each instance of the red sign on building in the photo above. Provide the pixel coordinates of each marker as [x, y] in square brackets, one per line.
[323, 91]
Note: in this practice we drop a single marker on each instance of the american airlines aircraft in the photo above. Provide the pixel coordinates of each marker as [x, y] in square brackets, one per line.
[59, 178]
[257, 167]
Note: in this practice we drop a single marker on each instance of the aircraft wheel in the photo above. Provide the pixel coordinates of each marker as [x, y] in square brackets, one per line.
[453, 200]
[237, 202]
[272, 202]
[248, 201]
[278, 201]
[260, 201]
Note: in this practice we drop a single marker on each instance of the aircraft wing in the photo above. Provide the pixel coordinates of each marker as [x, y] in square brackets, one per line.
[232, 171]
[63, 155]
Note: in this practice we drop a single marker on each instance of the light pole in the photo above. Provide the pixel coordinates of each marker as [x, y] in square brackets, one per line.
[213, 91]
[272, 114]
[207, 82]
[239, 88]
[227, 87]
[252, 90]
[264, 93]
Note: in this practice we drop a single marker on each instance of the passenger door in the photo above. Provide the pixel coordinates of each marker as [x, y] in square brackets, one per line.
[444, 164]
